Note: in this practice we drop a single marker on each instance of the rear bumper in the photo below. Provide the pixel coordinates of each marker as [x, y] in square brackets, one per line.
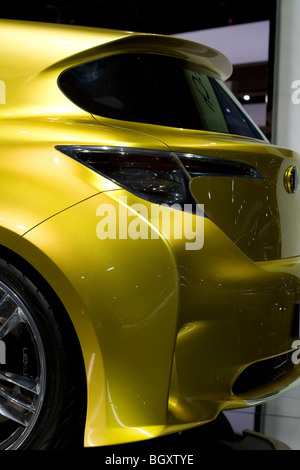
[238, 322]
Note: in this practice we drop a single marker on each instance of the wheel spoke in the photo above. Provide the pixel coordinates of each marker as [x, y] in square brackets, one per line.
[16, 398]
[13, 414]
[10, 316]
[10, 324]
[24, 382]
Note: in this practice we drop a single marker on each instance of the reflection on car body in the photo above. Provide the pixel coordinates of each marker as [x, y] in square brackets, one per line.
[149, 240]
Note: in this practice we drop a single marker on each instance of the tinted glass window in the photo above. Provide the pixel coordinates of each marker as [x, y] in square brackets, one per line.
[156, 90]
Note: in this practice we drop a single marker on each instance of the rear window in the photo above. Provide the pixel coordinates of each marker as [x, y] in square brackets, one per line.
[157, 90]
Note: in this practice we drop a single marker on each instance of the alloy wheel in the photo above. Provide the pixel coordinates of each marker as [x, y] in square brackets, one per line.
[22, 370]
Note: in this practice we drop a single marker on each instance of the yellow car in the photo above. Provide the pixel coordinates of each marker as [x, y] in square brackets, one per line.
[149, 240]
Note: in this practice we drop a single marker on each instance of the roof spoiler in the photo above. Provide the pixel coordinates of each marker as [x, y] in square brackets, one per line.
[213, 62]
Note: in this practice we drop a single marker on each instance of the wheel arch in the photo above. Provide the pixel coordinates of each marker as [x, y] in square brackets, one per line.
[21, 264]
[37, 278]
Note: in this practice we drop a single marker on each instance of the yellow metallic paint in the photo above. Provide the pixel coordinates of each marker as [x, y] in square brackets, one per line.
[134, 390]
[27, 76]
[128, 400]
[165, 331]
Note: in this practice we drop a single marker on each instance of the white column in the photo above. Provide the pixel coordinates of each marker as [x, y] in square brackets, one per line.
[286, 110]
[281, 417]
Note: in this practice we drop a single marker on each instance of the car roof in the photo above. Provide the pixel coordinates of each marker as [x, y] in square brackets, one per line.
[28, 48]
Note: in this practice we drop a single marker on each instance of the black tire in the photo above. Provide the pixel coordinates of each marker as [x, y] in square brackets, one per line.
[42, 380]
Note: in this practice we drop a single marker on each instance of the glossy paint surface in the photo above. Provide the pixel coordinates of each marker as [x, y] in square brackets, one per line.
[165, 331]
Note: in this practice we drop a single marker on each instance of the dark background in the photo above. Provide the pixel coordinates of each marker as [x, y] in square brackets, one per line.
[154, 16]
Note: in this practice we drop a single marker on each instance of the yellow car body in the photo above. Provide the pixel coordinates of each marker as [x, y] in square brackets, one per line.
[170, 336]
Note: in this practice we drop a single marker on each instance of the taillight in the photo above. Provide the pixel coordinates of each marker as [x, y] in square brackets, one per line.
[198, 165]
[156, 176]
[159, 176]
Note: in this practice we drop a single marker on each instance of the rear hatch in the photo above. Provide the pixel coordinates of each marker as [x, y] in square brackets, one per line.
[248, 187]
[258, 210]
